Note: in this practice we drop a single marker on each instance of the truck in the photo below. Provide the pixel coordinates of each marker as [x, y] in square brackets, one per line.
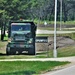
[21, 37]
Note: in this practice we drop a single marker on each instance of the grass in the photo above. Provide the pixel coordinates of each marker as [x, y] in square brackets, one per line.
[69, 23]
[2, 44]
[6, 37]
[58, 22]
[28, 67]
[49, 28]
[66, 51]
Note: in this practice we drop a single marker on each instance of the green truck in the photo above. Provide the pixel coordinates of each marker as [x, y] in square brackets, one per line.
[21, 37]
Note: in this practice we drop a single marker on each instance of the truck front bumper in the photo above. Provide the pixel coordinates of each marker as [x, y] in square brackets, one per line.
[19, 46]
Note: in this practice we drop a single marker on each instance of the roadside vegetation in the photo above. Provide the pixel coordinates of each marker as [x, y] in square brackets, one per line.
[65, 26]
[28, 67]
[66, 51]
[62, 52]
[58, 29]
[52, 22]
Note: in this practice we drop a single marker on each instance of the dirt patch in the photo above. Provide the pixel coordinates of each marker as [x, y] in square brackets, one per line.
[63, 41]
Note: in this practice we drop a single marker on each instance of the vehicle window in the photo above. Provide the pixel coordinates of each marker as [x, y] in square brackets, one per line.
[20, 28]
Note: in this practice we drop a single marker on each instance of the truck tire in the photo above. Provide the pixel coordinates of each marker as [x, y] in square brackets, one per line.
[10, 52]
[31, 51]
[13, 52]
[19, 52]
[7, 51]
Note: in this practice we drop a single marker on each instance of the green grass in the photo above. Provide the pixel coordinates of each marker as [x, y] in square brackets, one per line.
[63, 52]
[58, 22]
[66, 51]
[28, 67]
[69, 23]
[58, 29]
[6, 37]
[45, 28]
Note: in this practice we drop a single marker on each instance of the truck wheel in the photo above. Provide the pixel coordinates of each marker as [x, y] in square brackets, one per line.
[31, 51]
[7, 51]
[19, 52]
[13, 52]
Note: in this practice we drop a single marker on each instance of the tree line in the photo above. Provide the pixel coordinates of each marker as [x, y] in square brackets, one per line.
[36, 9]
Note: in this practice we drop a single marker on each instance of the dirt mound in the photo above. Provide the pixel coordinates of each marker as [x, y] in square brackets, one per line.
[61, 42]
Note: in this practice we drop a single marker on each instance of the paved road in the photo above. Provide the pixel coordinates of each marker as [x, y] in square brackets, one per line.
[66, 71]
[52, 32]
[70, 70]
[49, 32]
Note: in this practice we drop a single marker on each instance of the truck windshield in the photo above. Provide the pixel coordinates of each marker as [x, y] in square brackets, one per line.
[20, 28]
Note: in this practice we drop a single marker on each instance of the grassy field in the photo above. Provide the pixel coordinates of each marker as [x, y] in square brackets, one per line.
[58, 22]
[66, 51]
[65, 26]
[28, 67]
[49, 28]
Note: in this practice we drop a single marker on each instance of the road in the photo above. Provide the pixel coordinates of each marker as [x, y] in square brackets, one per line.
[66, 71]
[70, 70]
[49, 32]
[52, 32]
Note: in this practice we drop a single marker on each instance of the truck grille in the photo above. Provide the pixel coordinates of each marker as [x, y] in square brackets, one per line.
[18, 38]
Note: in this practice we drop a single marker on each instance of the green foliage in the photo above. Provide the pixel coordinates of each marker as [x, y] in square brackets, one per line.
[28, 67]
[35, 9]
[66, 51]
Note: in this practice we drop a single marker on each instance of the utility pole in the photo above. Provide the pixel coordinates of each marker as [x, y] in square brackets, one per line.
[60, 13]
[55, 51]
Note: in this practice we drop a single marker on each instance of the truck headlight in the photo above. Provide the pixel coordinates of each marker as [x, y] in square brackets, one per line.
[30, 41]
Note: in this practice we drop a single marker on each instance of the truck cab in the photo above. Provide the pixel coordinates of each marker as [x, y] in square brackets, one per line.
[21, 37]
